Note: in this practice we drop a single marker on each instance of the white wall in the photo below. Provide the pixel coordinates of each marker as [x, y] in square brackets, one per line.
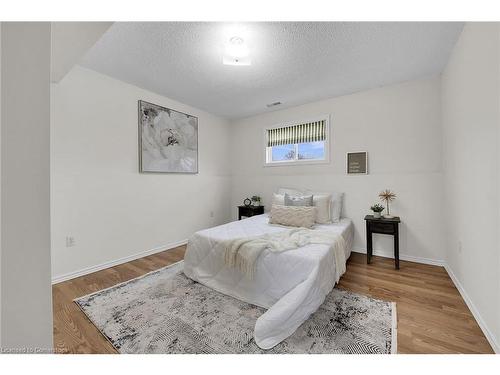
[400, 128]
[471, 121]
[98, 195]
[25, 191]
[70, 41]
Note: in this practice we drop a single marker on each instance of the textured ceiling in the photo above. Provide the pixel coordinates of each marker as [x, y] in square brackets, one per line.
[293, 63]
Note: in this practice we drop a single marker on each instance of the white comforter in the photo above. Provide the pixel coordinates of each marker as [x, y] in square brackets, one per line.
[291, 285]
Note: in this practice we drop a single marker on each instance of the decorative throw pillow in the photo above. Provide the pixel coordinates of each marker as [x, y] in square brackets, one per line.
[279, 199]
[293, 192]
[322, 204]
[292, 216]
[304, 200]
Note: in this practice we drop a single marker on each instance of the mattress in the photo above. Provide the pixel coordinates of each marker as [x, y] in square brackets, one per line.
[291, 284]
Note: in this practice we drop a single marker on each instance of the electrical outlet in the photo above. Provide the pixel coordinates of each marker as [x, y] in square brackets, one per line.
[70, 241]
[211, 214]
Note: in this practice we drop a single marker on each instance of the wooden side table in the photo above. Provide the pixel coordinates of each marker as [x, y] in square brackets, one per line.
[384, 226]
[249, 211]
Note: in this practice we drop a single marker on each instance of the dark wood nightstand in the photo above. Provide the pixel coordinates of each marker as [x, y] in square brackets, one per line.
[384, 226]
[249, 211]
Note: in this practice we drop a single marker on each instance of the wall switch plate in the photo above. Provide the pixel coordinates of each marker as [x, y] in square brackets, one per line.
[70, 241]
[211, 214]
[460, 247]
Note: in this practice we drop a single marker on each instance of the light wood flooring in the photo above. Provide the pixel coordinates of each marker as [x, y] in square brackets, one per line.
[432, 316]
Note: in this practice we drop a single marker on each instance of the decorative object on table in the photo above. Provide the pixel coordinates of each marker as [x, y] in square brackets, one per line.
[377, 209]
[387, 196]
[384, 226]
[357, 162]
[247, 202]
[168, 140]
[256, 200]
[249, 211]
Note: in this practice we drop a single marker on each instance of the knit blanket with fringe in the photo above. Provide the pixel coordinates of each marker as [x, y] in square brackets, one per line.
[242, 253]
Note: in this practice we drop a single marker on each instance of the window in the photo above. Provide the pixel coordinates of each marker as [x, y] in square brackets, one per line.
[302, 142]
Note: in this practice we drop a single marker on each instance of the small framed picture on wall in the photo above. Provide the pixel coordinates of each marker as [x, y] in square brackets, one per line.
[357, 162]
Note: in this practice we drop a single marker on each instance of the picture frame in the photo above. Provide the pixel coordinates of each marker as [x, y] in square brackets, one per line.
[357, 162]
[168, 140]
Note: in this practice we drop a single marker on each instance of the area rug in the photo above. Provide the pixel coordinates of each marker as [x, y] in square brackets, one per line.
[165, 312]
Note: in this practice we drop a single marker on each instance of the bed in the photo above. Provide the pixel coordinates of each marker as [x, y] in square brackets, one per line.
[291, 285]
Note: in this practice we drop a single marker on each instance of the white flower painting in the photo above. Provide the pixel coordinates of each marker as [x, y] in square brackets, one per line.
[168, 140]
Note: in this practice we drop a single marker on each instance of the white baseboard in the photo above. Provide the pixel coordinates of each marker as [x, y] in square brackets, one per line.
[475, 312]
[112, 263]
[409, 258]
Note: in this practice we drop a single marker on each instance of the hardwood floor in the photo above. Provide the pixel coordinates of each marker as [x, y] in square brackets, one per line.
[73, 332]
[432, 316]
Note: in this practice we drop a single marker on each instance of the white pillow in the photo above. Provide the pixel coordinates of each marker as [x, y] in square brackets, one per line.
[293, 192]
[279, 199]
[322, 204]
[292, 216]
[335, 205]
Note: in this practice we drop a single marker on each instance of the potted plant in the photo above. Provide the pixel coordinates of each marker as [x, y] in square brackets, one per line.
[256, 200]
[377, 209]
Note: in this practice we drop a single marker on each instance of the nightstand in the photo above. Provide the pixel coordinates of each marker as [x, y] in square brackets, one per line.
[384, 226]
[249, 211]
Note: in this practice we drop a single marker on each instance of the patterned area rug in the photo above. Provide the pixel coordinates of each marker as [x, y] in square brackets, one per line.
[165, 312]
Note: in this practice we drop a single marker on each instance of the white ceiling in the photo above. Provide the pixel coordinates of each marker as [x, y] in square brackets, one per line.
[293, 63]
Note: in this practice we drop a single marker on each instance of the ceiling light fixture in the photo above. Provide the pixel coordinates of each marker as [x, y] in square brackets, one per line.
[236, 52]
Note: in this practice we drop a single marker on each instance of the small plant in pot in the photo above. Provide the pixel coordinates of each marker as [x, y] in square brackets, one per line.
[377, 210]
[255, 200]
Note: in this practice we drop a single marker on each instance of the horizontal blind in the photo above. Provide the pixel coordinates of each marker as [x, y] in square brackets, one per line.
[301, 133]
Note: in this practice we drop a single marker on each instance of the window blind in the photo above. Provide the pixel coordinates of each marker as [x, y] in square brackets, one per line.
[301, 133]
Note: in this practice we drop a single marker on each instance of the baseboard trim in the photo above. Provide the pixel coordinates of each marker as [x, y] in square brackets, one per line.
[475, 312]
[409, 258]
[112, 263]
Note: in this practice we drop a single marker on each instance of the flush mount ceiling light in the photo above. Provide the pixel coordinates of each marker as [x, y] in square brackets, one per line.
[236, 52]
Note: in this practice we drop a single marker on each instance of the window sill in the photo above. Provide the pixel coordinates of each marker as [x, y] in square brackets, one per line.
[295, 163]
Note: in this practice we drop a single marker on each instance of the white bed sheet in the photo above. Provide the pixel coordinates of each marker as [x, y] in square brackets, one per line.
[291, 285]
